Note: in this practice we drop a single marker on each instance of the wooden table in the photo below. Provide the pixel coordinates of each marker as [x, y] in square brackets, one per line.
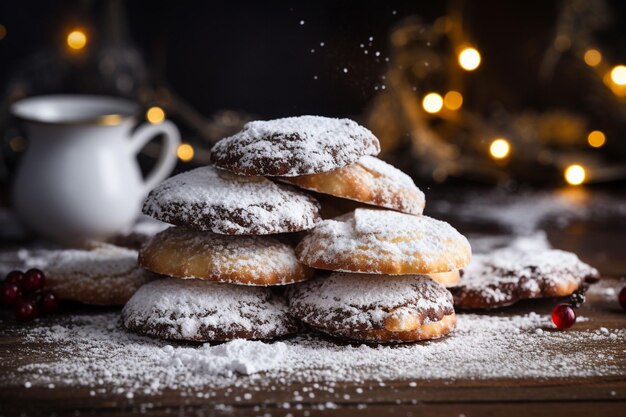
[600, 242]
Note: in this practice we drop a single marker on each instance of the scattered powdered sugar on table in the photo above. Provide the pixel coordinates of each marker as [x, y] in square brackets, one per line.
[94, 351]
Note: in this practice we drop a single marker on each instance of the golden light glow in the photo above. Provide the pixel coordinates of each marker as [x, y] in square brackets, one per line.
[3, 32]
[76, 40]
[155, 115]
[499, 148]
[575, 174]
[453, 100]
[618, 75]
[596, 139]
[432, 103]
[185, 152]
[469, 59]
[592, 57]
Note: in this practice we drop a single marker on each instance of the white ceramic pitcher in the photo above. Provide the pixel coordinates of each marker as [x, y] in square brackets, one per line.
[79, 178]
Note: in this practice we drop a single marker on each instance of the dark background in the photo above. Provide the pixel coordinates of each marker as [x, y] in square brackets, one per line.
[256, 57]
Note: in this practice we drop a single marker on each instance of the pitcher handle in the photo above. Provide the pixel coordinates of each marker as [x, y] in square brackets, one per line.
[165, 164]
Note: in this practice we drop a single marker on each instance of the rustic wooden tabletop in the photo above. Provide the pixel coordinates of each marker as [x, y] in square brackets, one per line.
[598, 238]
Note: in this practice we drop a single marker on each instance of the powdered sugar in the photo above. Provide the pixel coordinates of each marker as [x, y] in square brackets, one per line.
[177, 309]
[105, 357]
[294, 146]
[380, 237]
[209, 199]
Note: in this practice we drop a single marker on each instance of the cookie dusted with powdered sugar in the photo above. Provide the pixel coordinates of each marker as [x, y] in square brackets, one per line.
[369, 181]
[203, 311]
[508, 275]
[210, 199]
[294, 146]
[247, 260]
[384, 242]
[374, 308]
[103, 275]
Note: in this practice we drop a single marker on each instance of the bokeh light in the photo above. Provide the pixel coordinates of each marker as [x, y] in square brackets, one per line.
[155, 115]
[432, 103]
[592, 57]
[453, 100]
[575, 174]
[469, 59]
[185, 152]
[76, 40]
[500, 148]
[596, 139]
[618, 75]
[3, 32]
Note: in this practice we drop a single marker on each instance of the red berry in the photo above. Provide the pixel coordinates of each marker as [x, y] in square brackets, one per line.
[563, 316]
[26, 310]
[14, 277]
[622, 298]
[10, 294]
[33, 280]
[49, 303]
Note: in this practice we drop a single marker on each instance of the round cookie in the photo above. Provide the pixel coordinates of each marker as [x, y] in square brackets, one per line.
[374, 308]
[250, 260]
[384, 242]
[104, 275]
[204, 311]
[218, 201]
[508, 275]
[370, 181]
[294, 146]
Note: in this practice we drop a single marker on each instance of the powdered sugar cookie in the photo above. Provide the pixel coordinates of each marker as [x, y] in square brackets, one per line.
[104, 275]
[203, 311]
[374, 308]
[294, 146]
[250, 260]
[384, 242]
[507, 275]
[369, 180]
[218, 201]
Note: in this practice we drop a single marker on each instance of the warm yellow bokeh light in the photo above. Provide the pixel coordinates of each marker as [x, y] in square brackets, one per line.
[596, 139]
[432, 103]
[76, 40]
[3, 32]
[185, 152]
[155, 115]
[592, 57]
[469, 59]
[453, 100]
[499, 148]
[575, 174]
[618, 75]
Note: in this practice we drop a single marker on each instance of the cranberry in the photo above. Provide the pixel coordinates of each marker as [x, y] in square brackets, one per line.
[10, 294]
[14, 277]
[563, 316]
[49, 303]
[26, 310]
[622, 298]
[33, 280]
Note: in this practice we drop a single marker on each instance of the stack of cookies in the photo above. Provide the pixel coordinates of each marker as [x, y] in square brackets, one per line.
[388, 264]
